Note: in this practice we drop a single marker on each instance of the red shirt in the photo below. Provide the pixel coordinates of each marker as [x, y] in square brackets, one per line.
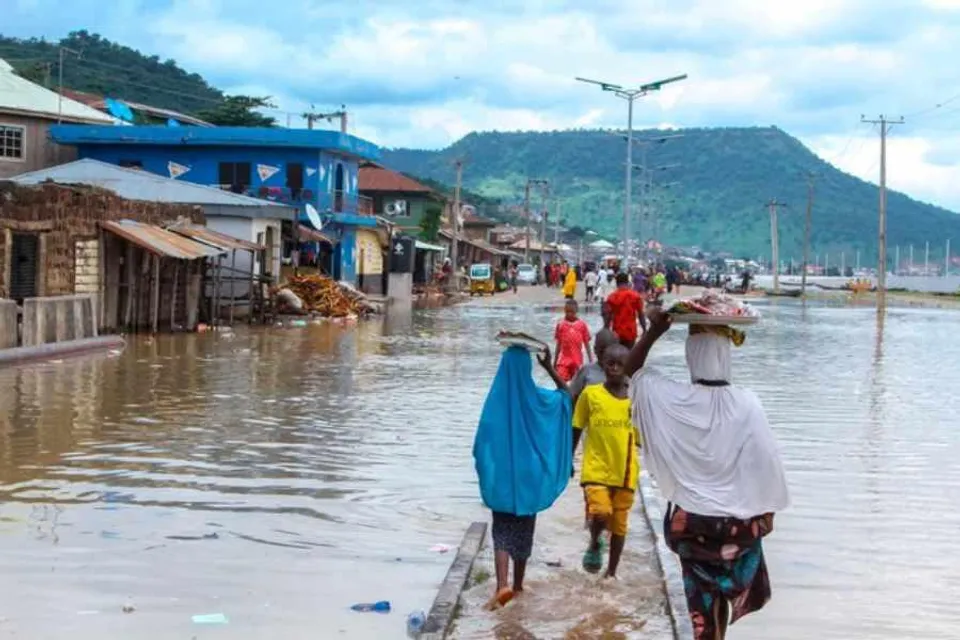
[571, 337]
[625, 304]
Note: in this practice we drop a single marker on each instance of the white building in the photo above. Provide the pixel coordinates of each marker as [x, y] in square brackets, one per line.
[26, 112]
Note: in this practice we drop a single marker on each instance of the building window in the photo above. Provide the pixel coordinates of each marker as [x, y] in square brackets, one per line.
[11, 142]
[295, 179]
[235, 176]
[132, 164]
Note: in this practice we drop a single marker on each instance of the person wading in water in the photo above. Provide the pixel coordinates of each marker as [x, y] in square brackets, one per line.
[713, 454]
[626, 310]
[610, 467]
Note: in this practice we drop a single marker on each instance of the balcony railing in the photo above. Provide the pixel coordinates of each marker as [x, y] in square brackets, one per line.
[338, 201]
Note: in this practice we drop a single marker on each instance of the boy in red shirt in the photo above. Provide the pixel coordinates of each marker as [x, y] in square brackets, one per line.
[573, 338]
[626, 309]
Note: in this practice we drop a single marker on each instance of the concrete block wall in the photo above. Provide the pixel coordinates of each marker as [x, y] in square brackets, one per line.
[58, 319]
[8, 324]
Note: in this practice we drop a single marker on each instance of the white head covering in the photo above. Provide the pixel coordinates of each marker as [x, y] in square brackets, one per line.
[710, 449]
[708, 357]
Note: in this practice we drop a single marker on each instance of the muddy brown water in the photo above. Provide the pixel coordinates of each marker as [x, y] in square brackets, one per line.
[278, 476]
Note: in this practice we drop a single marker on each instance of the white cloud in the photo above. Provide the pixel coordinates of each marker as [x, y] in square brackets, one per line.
[422, 74]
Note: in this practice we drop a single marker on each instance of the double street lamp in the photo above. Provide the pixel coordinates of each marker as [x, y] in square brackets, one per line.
[630, 94]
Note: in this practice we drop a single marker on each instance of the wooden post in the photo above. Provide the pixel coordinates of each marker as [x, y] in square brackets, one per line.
[173, 298]
[209, 274]
[218, 279]
[233, 280]
[100, 311]
[255, 294]
[155, 295]
[128, 311]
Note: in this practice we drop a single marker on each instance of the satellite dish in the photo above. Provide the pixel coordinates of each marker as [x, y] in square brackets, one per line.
[314, 217]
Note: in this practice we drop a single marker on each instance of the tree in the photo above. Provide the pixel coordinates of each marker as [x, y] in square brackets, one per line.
[38, 73]
[238, 111]
[430, 223]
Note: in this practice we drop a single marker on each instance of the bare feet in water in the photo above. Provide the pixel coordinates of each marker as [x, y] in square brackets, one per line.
[501, 598]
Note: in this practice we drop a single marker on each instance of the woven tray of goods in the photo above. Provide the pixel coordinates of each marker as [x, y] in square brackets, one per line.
[520, 339]
[713, 308]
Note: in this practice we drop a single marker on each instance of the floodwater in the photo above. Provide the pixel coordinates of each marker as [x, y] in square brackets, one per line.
[278, 476]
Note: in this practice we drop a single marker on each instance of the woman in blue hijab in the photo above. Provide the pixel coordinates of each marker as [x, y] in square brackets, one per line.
[523, 453]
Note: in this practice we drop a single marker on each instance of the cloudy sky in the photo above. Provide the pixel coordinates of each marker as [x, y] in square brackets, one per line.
[426, 72]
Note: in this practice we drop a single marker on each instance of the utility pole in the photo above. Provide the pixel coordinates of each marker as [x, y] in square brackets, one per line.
[806, 232]
[556, 225]
[882, 235]
[946, 261]
[843, 264]
[526, 213]
[858, 259]
[455, 219]
[630, 95]
[926, 260]
[312, 117]
[775, 241]
[896, 262]
[911, 258]
[61, 50]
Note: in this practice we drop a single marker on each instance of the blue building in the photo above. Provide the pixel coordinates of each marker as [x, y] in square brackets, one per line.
[299, 167]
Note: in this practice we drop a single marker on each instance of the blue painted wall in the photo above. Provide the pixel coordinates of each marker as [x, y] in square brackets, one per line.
[202, 164]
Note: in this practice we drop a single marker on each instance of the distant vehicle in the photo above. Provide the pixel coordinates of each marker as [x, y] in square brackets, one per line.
[526, 274]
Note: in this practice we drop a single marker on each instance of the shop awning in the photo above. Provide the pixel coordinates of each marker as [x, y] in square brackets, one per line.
[214, 238]
[161, 242]
[309, 234]
[426, 246]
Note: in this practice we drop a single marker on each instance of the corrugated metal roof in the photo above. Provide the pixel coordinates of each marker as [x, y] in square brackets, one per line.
[426, 246]
[214, 238]
[99, 103]
[136, 184]
[161, 242]
[309, 234]
[22, 96]
[373, 178]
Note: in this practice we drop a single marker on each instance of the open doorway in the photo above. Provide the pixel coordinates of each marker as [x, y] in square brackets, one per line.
[24, 266]
[338, 189]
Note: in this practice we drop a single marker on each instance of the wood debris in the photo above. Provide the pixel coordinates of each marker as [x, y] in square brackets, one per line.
[324, 296]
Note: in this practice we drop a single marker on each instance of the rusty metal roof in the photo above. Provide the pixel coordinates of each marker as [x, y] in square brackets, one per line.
[214, 238]
[309, 234]
[161, 242]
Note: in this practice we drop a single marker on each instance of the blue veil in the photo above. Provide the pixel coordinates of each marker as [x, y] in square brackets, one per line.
[523, 448]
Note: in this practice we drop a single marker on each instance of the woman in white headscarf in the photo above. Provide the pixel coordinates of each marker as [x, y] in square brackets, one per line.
[710, 448]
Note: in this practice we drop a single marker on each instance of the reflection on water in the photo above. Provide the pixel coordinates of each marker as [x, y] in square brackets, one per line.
[279, 476]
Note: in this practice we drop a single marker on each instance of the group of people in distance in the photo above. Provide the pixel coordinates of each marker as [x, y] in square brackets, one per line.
[706, 442]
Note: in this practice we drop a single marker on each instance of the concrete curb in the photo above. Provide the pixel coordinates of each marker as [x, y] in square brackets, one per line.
[20, 355]
[669, 564]
[444, 608]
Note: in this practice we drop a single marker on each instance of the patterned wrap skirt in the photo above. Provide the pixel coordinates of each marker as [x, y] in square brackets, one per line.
[513, 534]
[723, 566]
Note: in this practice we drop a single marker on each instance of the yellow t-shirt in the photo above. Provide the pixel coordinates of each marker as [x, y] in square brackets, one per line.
[609, 444]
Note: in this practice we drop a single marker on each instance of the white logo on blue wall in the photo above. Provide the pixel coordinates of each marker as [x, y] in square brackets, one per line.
[311, 171]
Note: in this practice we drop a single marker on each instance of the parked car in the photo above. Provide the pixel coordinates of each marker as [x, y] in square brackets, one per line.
[526, 274]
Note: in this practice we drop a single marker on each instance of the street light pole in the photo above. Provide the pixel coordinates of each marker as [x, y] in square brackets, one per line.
[630, 95]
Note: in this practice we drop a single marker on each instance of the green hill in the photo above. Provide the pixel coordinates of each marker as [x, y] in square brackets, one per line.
[107, 68]
[725, 178]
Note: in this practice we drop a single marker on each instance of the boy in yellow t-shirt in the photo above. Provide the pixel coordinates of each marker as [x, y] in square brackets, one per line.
[610, 466]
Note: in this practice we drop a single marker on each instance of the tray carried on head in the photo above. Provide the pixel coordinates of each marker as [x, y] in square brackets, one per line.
[520, 339]
[714, 320]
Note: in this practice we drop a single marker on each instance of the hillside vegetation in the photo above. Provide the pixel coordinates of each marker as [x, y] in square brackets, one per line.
[725, 177]
[107, 68]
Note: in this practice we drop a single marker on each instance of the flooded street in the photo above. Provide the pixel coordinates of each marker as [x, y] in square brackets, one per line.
[278, 476]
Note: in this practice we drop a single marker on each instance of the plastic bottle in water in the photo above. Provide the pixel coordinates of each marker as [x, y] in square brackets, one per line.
[380, 607]
[415, 622]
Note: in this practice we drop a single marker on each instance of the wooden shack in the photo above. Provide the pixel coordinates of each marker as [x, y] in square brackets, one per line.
[60, 240]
